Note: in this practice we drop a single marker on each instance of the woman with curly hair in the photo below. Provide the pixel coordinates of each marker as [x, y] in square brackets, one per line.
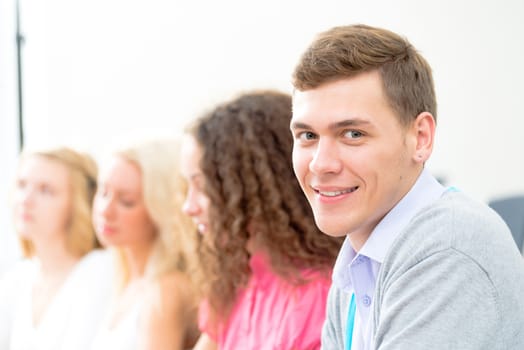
[265, 265]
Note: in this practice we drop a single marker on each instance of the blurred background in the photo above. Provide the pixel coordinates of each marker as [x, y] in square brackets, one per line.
[90, 71]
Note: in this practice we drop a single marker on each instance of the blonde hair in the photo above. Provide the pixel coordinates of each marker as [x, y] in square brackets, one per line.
[163, 190]
[81, 237]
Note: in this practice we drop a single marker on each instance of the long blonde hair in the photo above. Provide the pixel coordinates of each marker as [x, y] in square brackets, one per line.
[81, 237]
[163, 191]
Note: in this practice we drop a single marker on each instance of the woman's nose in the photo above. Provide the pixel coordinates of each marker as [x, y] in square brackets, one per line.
[190, 206]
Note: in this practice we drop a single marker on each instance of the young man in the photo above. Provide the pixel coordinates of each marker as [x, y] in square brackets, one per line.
[422, 266]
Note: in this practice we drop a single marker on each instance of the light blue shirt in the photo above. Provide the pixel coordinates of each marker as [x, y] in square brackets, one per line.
[357, 272]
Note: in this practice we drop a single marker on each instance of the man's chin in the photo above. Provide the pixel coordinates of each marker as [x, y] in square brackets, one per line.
[329, 229]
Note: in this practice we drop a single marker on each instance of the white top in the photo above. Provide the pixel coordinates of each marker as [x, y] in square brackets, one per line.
[123, 335]
[70, 320]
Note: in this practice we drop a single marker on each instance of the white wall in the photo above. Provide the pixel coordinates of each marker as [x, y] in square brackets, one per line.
[96, 69]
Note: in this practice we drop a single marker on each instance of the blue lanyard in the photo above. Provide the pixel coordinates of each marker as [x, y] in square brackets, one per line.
[350, 322]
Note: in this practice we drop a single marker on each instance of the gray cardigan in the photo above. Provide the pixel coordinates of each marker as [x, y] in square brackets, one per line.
[453, 279]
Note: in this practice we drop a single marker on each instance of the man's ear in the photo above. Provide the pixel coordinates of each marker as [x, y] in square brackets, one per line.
[423, 129]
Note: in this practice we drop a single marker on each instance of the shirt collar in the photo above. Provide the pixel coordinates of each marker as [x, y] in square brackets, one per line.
[425, 190]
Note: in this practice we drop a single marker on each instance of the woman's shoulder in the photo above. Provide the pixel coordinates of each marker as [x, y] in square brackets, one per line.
[171, 289]
[170, 300]
[168, 305]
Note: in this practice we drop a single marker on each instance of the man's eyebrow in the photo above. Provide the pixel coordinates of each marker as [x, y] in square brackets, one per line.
[299, 125]
[334, 126]
[348, 123]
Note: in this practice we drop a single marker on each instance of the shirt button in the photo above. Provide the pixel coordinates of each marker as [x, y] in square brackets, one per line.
[366, 300]
[359, 260]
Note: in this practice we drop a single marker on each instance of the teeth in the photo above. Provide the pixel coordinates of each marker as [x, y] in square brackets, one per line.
[332, 194]
[201, 228]
[336, 193]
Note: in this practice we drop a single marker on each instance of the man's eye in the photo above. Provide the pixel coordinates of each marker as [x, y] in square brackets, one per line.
[352, 134]
[306, 136]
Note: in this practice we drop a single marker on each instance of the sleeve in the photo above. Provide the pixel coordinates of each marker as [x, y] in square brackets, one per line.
[332, 329]
[445, 301]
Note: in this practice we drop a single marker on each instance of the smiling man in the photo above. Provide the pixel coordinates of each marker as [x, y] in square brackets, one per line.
[423, 266]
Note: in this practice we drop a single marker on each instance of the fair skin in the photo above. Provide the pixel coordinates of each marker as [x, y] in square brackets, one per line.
[196, 204]
[352, 157]
[120, 215]
[42, 209]
[205, 343]
[167, 322]
[122, 221]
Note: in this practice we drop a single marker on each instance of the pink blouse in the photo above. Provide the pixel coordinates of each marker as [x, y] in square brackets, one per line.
[273, 314]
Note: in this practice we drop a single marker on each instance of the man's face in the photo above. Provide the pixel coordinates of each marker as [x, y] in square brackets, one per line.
[351, 156]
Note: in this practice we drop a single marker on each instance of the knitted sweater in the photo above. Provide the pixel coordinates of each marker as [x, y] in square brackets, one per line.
[453, 279]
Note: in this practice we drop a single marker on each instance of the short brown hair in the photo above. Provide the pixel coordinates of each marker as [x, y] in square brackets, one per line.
[344, 52]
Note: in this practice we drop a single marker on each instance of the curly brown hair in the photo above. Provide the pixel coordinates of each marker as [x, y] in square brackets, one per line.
[246, 160]
[343, 52]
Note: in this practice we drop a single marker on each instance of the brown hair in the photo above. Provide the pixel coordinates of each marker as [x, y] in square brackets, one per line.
[81, 237]
[344, 52]
[246, 160]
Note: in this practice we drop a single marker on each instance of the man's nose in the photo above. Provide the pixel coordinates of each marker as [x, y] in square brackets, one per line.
[325, 158]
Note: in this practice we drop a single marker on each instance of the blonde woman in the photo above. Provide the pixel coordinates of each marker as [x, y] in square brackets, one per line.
[54, 298]
[137, 214]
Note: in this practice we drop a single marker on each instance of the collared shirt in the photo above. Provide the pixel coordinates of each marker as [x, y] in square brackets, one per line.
[357, 272]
